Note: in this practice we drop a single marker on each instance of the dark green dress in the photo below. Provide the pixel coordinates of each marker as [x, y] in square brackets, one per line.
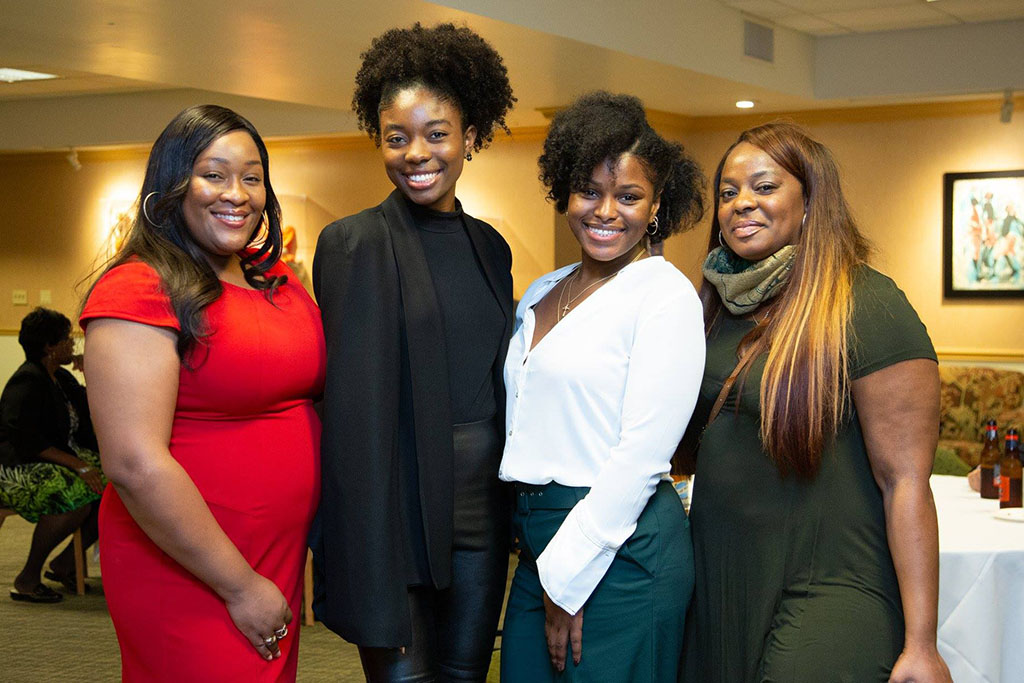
[794, 580]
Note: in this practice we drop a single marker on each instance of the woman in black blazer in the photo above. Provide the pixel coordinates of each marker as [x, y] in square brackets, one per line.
[410, 544]
[49, 468]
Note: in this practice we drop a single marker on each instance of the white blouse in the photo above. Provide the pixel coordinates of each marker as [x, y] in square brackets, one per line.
[602, 401]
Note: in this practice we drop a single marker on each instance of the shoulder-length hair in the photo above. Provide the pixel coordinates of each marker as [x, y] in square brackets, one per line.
[159, 235]
[805, 386]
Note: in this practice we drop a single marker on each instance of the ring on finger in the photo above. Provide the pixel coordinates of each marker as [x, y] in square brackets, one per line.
[281, 632]
[270, 640]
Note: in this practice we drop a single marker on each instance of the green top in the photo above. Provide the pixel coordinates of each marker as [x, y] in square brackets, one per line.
[794, 580]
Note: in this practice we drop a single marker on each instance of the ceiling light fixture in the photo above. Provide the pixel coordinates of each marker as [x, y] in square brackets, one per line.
[16, 75]
[1006, 111]
[745, 104]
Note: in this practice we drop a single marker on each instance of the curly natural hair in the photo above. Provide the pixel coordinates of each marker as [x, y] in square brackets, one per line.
[600, 126]
[452, 61]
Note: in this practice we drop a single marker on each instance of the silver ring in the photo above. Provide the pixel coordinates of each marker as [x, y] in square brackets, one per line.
[269, 640]
[281, 632]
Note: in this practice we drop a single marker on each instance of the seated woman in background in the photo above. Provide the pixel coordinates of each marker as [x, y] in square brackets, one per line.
[814, 529]
[602, 376]
[49, 468]
[203, 359]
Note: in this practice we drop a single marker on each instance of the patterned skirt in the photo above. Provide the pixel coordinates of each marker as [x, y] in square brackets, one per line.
[44, 488]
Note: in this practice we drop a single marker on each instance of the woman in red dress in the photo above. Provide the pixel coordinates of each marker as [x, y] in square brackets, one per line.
[203, 360]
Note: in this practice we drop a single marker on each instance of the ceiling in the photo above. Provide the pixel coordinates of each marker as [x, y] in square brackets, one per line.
[835, 17]
[117, 58]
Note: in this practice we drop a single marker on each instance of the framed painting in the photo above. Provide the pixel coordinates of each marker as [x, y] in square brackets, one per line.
[983, 234]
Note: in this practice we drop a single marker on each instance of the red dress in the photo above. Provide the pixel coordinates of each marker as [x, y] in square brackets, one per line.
[245, 432]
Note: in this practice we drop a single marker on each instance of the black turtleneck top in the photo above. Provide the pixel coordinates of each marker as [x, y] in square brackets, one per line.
[473, 321]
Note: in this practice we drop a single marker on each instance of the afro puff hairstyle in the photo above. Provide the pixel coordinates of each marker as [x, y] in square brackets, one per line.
[599, 127]
[454, 62]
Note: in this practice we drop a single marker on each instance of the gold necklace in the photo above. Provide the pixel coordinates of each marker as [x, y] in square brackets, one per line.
[564, 310]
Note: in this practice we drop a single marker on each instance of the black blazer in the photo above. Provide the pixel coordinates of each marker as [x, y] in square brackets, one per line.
[375, 291]
[34, 416]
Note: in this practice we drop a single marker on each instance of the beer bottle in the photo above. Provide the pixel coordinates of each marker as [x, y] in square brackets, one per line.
[990, 456]
[1010, 472]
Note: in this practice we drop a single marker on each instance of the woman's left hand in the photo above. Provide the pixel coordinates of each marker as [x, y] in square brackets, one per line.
[920, 665]
[560, 629]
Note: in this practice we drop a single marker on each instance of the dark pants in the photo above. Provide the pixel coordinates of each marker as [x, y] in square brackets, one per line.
[633, 621]
[453, 629]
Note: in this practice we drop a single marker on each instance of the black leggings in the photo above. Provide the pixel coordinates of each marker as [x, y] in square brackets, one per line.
[453, 629]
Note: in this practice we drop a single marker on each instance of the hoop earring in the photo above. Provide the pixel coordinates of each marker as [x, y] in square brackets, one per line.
[146, 213]
[469, 156]
[652, 227]
[721, 240]
[803, 221]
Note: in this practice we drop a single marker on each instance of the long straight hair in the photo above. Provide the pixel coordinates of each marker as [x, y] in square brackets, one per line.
[159, 234]
[805, 386]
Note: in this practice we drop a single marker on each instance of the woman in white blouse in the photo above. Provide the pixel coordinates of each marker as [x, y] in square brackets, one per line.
[602, 375]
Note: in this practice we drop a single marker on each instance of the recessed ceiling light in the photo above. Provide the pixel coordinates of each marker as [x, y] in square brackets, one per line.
[745, 104]
[15, 75]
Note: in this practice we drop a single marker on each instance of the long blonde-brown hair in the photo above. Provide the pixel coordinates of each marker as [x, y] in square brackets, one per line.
[805, 386]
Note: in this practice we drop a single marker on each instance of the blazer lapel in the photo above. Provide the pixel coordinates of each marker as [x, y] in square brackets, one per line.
[428, 369]
[489, 261]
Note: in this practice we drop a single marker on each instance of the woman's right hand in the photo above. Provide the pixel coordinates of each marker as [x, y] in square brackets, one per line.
[562, 631]
[259, 610]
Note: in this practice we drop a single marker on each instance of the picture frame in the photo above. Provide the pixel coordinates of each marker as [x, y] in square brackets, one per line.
[983, 234]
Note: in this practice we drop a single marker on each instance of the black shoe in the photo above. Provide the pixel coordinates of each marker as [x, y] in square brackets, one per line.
[40, 593]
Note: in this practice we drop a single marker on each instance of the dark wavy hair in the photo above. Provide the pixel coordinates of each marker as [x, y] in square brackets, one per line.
[451, 61]
[42, 327]
[600, 126]
[159, 235]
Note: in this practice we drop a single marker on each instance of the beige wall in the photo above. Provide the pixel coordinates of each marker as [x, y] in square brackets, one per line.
[52, 218]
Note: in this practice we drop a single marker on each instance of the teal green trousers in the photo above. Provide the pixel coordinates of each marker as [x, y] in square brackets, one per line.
[633, 621]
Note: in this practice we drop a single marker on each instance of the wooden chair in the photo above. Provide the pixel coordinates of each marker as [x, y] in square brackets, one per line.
[76, 539]
[307, 591]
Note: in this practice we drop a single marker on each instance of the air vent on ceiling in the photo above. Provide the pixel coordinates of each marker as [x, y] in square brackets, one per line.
[758, 41]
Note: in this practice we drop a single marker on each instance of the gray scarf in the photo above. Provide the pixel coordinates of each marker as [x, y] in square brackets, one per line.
[744, 285]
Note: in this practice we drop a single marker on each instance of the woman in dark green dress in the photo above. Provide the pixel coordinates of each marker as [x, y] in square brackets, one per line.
[814, 529]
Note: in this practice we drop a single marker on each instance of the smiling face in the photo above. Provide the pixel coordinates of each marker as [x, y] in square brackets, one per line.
[760, 204]
[225, 197]
[610, 215]
[424, 146]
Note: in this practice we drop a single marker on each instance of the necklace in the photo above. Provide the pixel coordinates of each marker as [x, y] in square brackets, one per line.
[564, 310]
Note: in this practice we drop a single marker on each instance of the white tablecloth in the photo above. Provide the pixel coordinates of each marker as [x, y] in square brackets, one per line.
[981, 586]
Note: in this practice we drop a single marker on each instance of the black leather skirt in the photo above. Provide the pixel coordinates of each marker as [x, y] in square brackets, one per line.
[481, 511]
